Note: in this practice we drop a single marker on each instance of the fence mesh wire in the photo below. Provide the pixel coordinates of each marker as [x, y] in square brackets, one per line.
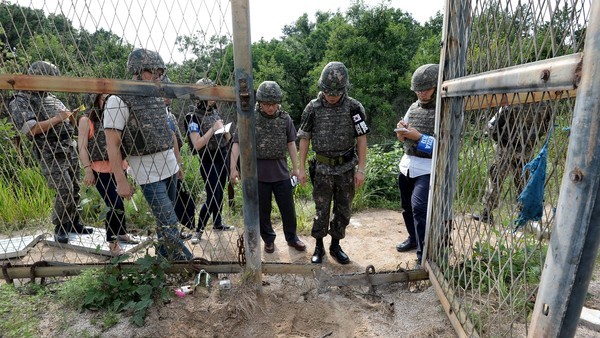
[486, 252]
[92, 39]
[489, 264]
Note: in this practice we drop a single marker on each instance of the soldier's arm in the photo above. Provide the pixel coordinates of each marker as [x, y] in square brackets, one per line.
[294, 157]
[304, 144]
[361, 149]
[44, 126]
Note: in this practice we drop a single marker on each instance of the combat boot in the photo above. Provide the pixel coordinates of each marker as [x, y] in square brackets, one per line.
[335, 250]
[317, 257]
[485, 217]
[60, 234]
[81, 229]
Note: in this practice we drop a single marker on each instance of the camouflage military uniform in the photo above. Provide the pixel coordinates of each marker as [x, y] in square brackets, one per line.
[55, 152]
[516, 130]
[332, 129]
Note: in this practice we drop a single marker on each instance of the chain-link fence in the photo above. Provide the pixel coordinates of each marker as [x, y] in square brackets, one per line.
[76, 76]
[507, 101]
[507, 104]
[56, 178]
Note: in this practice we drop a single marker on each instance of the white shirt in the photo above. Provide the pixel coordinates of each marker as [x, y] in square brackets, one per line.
[414, 166]
[145, 169]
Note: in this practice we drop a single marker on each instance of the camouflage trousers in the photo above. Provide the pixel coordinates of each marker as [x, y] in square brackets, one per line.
[62, 173]
[507, 161]
[338, 189]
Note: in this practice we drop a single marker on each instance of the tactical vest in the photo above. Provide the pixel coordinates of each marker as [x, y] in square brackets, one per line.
[97, 145]
[333, 128]
[520, 125]
[422, 119]
[206, 120]
[147, 130]
[57, 139]
[271, 135]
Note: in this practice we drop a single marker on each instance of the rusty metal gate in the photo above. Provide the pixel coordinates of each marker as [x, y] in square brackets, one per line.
[506, 248]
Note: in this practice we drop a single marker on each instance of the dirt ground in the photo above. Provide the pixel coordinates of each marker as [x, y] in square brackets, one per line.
[295, 306]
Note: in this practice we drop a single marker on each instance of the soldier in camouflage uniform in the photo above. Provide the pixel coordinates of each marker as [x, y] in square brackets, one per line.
[201, 124]
[44, 119]
[136, 127]
[275, 135]
[516, 130]
[335, 124]
[415, 130]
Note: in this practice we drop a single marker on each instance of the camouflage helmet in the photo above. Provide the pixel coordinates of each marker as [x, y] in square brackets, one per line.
[334, 79]
[269, 91]
[140, 59]
[205, 81]
[425, 77]
[43, 68]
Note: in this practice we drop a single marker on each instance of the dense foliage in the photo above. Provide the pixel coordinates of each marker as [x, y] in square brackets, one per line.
[380, 45]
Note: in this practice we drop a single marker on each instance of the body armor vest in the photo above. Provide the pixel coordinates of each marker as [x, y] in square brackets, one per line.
[97, 145]
[206, 120]
[271, 135]
[333, 131]
[58, 138]
[147, 130]
[421, 118]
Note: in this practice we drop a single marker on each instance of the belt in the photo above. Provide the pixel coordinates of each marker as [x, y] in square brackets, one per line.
[333, 161]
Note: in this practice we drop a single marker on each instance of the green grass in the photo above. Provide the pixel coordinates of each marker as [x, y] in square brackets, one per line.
[24, 198]
[19, 312]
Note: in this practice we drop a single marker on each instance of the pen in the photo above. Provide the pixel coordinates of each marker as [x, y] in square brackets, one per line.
[134, 205]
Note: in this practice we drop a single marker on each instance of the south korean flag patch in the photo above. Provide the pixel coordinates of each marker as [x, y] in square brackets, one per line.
[359, 125]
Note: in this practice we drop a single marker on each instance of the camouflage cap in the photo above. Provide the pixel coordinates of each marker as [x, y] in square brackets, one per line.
[334, 79]
[425, 77]
[43, 68]
[140, 59]
[269, 91]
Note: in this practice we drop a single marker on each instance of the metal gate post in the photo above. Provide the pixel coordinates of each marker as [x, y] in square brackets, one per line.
[575, 237]
[244, 90]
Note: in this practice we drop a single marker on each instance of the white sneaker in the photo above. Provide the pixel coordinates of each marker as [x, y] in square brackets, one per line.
[197, 237]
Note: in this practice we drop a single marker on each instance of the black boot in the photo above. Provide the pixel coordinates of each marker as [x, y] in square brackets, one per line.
[407, 245]
[485, 217]
[81, 229]
[60, 234]
[335, 250]
[317, 257]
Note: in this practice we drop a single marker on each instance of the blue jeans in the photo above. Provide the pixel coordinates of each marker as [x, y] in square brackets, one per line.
[414, 193]
[161, 198]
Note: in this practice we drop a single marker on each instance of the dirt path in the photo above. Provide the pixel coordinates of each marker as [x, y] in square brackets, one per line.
[293, 306]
